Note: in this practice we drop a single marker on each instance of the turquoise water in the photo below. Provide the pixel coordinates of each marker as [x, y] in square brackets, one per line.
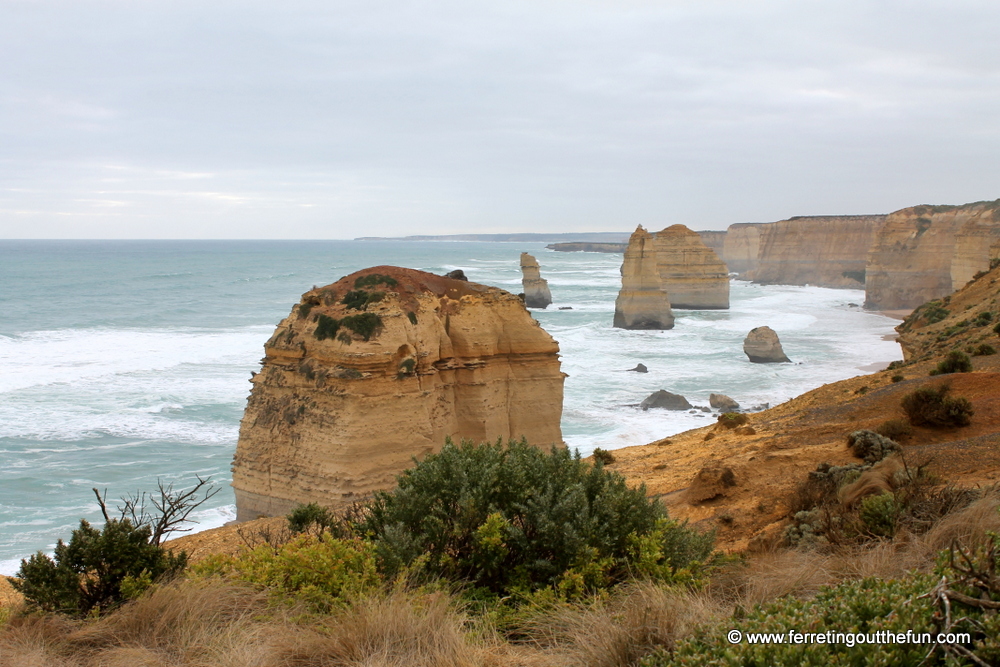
[124, 362]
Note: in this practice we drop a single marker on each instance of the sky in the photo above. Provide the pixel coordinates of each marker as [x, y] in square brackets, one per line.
[336, 119]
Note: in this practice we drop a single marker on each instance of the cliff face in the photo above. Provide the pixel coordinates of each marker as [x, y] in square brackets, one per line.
[692, 273]
[740, 247]
[349, 393]
[828, 251]
[642, 302]
[714, 240]
[926, 252]
[536, 288]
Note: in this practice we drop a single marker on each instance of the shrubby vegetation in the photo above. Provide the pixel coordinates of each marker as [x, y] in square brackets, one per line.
[933, 407]
[956, 362]
[373, 279]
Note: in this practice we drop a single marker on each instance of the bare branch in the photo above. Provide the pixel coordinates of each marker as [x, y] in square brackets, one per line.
[101, 502]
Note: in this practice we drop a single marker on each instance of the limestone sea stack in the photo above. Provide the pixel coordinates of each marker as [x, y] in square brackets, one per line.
[692, 273]
[642, 302]
[380, 367]
[536, 288]
[927, 252]
[763, 347]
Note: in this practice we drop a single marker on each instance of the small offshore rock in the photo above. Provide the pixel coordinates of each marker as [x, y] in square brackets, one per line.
[639, 368]
[723, 402]
[763, 347]
[565, 307]
[665, 400]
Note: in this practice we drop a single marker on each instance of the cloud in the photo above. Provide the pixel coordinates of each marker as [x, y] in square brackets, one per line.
[312, 119]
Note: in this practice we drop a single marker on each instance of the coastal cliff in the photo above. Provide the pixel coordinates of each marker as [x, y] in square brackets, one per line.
[740, 247]
[692, 273]
[381, 367]
[827, 251]
[927, 252]
[642, 302]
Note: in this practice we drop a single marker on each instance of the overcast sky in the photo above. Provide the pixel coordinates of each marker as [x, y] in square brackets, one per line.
[336, 119]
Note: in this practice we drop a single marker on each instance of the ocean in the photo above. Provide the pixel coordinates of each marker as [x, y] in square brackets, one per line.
[126, 362]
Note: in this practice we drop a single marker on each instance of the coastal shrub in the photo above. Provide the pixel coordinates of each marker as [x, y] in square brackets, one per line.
[898, 378]
[412, 316]
[933, 407]
[984, 350]
[899, 363]
[870, 445]
[879, 514]
[326, 327]
[506, 518]
[310, 517]
[97, 570]
[894, 429]
[406, 367]
[319, 570]
[603, 456]
[732, 419]
[935, 312]
[983, 318]
[956, 362]
[365, 324]
[359, 299]
[373, 279]
[996, 329]
[304, 309]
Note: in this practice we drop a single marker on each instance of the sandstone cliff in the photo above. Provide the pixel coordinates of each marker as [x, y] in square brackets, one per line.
[642, 302]
[927, 252]
[536, 288]
[740, 247]
[379, 367]
[714, 239]
[828, 251]
[692, 273]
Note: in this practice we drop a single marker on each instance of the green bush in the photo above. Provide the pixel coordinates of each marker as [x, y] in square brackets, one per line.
[899, 363]
[870, 445]
[359, 299]
[996, 329]
[879, 514]
[956, 362]
[326, 327]
[983, 318]
[412, 316]
[373, 279]
[933, 407]
[304, 309]
[603, 456]
[514, 518]
[321, 571]
[934, 312]
[310, 517]
[406, 367]
[984, 350]
[365, 324]
[898, 378]
[97, 570]
[732, 419]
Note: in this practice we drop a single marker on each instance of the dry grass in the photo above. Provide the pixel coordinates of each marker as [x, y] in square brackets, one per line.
[621, 630]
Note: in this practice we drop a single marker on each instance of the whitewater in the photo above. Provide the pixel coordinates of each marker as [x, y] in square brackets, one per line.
[126, 362]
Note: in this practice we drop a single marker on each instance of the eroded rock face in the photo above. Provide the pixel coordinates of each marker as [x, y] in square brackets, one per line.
[536, 288]
[342, 405]
[828, 251]
[740, 247]
[642, 302]
[692, 273]
[927, 252]
[665, 400]
[763, 347]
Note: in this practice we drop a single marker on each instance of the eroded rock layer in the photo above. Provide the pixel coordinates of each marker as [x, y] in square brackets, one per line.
[381, 367]
[828, 251]
[740, 247]
[642, 302]
[536, 288]
[692, 273]
[927, 252]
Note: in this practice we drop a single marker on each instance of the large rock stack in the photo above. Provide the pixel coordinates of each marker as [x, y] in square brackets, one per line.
[536, 288]
[642, 302]
[692, 273]
[381, 367]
